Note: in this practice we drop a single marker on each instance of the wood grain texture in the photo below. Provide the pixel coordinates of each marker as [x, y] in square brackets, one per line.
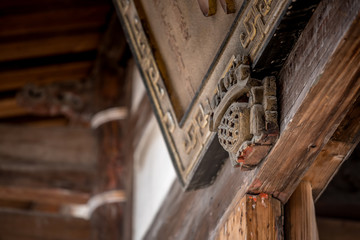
[255, 217]
[335, 152]
[301, 219]
[15, 79]
[52, 196]
[22, 225]
[42, 47]
[328, 86]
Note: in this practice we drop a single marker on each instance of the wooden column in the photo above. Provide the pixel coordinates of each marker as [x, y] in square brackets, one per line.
[301, 219]
[110, 91]
[254, 217]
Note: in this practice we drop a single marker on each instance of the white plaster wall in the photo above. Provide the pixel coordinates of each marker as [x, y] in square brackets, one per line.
[154, 175]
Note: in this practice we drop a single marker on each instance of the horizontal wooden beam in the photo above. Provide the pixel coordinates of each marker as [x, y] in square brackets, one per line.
[41, 195]
[16, 79]
[53, 21]
[25, 225]
[40, 47]
[54, 146]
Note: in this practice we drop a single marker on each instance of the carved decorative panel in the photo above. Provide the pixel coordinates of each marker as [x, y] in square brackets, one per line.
[182, 55]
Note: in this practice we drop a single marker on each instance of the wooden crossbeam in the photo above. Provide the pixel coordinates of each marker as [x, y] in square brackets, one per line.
[42, 195]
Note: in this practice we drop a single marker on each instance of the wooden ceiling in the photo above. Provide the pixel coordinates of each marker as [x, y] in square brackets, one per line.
[43, 42]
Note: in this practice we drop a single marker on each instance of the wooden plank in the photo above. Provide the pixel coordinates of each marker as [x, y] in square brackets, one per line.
[255, 217]
[25, 225]
[335, 152]
[41, 47]
[300, 211]
[44, 74]
[47, 177]
[54, 21]
[61, 147]
[53, 196]
[331, 88]
[338, 229]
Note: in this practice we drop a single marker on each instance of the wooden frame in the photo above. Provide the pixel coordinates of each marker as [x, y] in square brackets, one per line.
[196, 154]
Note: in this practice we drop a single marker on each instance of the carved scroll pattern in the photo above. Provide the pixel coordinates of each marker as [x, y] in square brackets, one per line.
[151, 74]
[256, 25]
[198, 132]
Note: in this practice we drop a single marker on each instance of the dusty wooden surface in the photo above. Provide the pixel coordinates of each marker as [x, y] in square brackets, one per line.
[336, 151]
[254, 217]
[300, 214]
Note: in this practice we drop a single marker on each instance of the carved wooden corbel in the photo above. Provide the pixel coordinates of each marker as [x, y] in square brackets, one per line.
[244, 114]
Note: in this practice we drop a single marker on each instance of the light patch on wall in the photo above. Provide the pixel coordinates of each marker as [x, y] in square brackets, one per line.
[153, 177]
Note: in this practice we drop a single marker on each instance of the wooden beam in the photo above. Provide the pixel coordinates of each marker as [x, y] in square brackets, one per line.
[47, 177]
[255, 217]
[55, 157]
[25, 225]
[16, 79]
[54, 146]
[41, 195]
[53, 21]
[320, 82]
[300, 211]
[336, 151]
[41, 47]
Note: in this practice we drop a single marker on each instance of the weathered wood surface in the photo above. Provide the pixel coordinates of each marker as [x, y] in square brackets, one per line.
[16, 225]
[322, 73]
[254, 217]
[111, 90]
[67, 148]
[320, 82]
[47, 157]
[336, 151]
[41, 75]
[300, 214]
[43, 195]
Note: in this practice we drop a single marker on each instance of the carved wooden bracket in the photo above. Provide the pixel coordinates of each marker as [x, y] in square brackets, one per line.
[71, 99]
[244, 114]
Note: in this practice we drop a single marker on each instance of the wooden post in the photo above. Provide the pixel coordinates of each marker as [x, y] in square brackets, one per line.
[301, 219]
[254, 217]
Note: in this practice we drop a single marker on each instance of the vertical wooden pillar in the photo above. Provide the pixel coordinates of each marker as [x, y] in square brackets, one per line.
[254, 217]
[301, 219]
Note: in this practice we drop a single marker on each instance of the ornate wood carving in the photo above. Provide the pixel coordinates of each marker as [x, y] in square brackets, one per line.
[190, 140]
[244, 114]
